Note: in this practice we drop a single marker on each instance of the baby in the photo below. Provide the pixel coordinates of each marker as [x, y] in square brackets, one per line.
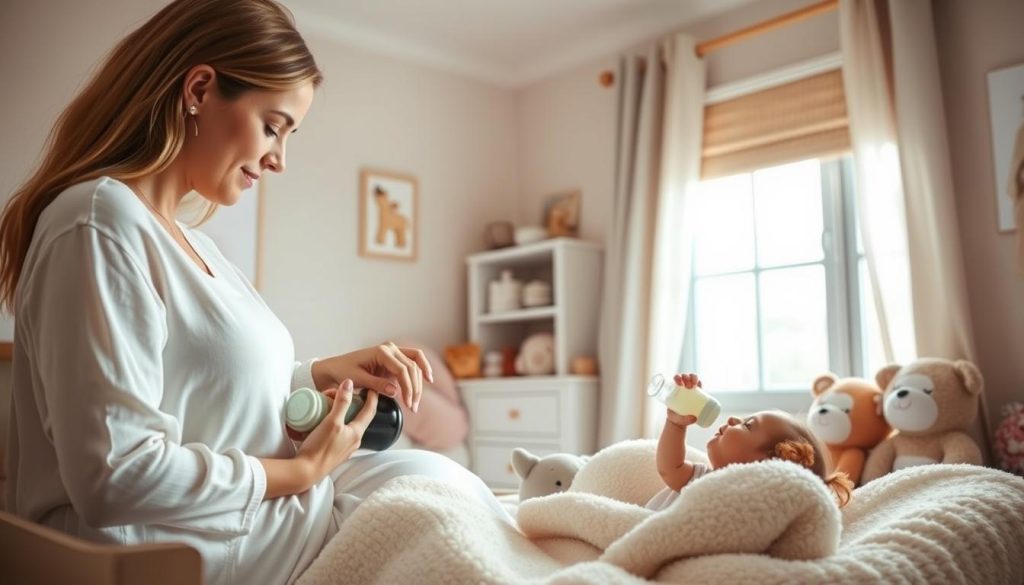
[760, 436]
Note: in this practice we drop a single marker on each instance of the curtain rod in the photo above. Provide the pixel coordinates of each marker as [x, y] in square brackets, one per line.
[607, 78]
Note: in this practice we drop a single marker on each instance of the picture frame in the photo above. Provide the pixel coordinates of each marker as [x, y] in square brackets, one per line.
[1006, 110]
[388, 215]
[561, 216]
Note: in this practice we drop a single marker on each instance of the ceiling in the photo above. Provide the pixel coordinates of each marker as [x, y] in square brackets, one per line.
[509, 43]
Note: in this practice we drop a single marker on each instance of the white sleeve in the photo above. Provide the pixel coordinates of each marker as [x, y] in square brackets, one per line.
[302, 375]
[97, 331]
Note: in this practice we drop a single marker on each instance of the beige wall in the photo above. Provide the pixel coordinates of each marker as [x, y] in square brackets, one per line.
[973, 39]
[457, 136]
[567, 122]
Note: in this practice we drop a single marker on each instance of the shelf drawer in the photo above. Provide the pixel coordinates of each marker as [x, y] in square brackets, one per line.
[493, 461]
[529, 413]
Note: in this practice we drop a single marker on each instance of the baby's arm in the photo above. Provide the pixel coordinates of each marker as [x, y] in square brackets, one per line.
[675, 471]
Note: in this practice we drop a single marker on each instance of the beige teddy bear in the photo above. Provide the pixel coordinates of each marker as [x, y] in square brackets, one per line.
[930, 402]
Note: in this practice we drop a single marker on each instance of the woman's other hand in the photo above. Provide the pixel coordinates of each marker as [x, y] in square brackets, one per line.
[386, 368]
[333, 441]
[327, 446]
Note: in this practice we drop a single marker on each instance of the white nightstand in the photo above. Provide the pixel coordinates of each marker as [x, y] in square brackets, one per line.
[544, 415]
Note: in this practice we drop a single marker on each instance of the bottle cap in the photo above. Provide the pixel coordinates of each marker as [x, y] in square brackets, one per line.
[709, 413]
[302, 410]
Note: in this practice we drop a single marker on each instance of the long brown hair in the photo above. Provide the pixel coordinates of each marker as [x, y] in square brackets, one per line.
[129, 120]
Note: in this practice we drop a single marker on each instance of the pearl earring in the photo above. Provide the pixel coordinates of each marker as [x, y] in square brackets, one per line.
[192, 110]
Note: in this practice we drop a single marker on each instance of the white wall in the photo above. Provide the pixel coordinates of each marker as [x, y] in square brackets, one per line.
[457, 136]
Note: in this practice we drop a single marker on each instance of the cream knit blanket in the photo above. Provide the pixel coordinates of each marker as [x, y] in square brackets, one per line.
[770, 522]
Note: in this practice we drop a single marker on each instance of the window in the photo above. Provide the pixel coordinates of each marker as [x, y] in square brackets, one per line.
[779, 292]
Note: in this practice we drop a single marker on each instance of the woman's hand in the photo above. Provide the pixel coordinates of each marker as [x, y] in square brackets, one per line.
[386, 368]
[332, 442]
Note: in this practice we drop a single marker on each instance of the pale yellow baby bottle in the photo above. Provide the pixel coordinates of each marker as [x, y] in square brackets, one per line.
[685, 401]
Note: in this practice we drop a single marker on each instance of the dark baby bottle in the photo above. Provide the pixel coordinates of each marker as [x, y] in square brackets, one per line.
[306, 408]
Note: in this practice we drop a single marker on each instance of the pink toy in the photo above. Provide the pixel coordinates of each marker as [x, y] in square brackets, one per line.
[1009, 441]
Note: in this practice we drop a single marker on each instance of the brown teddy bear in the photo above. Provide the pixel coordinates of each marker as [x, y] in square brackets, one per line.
[930, 402]
[847, 416]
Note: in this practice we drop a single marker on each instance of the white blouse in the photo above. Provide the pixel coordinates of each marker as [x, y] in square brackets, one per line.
[144, 390]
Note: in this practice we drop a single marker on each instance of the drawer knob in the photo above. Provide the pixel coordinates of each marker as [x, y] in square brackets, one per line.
[513, 413]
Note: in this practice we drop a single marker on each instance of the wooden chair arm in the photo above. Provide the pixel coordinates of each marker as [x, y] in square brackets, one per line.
[31, 554]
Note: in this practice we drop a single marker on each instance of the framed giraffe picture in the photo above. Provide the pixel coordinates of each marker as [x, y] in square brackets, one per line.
[388, 215]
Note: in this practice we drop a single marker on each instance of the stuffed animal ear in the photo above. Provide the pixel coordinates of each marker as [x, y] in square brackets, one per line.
[523, 461]
[823, 383]
[878, 404]
[970, 375]
[885, 375]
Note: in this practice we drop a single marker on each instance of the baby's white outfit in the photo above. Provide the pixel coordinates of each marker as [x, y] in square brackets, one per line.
[665, 497]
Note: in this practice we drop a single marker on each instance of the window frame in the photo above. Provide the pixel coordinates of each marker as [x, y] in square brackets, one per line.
[846, 335]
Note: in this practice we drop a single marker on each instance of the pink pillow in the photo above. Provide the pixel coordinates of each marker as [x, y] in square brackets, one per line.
[442, 421]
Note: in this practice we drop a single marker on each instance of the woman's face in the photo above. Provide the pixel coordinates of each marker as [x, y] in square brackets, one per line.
[238, 140]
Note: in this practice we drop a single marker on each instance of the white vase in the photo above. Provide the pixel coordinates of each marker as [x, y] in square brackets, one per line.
[504, 293]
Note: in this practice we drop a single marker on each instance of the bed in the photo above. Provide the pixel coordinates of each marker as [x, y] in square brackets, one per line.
[768, 522]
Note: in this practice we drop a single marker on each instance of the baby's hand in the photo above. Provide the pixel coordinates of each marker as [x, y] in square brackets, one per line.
[689, 381]
[678, 419]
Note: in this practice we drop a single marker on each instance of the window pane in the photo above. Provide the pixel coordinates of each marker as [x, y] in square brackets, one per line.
[724, 226]
[795, 326]
[726, 331]
[871, 336]
[789, 216]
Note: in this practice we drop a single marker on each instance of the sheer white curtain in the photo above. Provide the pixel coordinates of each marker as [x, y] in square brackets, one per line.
[660, 116]
[898, 129]
[880, 202]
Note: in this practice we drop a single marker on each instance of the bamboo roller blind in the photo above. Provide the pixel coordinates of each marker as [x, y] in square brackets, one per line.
[799, 120]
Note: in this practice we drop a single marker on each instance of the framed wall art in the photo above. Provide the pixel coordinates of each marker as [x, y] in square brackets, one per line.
[1006, 109]
[388, 215]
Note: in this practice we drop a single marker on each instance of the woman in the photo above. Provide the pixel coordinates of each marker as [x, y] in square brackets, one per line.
[149, 377]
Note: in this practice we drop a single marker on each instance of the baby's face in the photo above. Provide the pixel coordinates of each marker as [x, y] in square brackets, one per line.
[748, 439]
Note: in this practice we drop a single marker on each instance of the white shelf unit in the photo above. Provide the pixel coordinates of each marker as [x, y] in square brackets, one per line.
[572, 267]
[543, 414]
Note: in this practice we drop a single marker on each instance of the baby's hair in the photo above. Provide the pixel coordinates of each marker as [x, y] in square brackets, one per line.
[805, 450]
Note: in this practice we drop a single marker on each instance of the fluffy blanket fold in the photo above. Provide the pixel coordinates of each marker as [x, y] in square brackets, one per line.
[769, 522]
